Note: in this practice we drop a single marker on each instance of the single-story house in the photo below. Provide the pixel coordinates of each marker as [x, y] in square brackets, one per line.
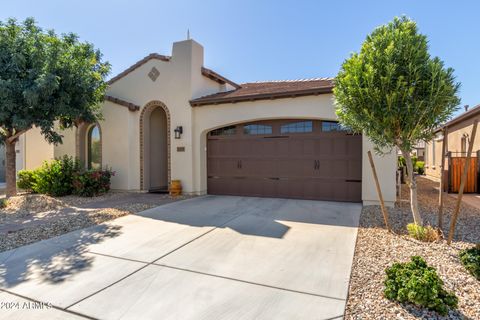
[458, 131]
[169, 117]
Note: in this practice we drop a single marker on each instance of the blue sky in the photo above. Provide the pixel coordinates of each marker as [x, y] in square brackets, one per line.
[262, 40]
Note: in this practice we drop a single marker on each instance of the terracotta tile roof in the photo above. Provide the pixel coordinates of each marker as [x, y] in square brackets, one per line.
[205, 71]
[129, 105]
[268, 90]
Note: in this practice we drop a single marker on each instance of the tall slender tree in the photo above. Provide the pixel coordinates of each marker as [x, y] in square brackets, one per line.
[45, 78]
[394, 92]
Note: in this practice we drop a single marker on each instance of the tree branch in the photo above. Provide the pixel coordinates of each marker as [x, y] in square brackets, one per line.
[14, 138]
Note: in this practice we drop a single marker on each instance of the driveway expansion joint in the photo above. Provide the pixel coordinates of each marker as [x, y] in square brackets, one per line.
[249, 282]
[147, 263]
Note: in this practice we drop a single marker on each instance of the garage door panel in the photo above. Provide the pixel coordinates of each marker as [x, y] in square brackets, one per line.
[281, 147]
[355, 169]
[324, 168]
[354, 190]
[314, 165]
[296, 168]
[324, 146]
[223, 167]
[340, 146]
[258, 167]
[339, 168]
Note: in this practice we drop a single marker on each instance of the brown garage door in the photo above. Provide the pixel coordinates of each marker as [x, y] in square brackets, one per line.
[302, 159]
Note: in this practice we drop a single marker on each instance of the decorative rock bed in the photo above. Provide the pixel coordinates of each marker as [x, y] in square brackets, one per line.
[376, 249]
[32, 217]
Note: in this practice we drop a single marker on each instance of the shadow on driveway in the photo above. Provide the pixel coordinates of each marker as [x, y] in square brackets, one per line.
[49, 261]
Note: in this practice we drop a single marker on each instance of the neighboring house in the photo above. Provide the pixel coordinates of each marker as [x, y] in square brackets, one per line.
[419, 150]
[169, 117]
[458, 138]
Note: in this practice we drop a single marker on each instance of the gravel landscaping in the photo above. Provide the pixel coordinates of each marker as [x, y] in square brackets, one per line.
[376, 249]
[32, 217]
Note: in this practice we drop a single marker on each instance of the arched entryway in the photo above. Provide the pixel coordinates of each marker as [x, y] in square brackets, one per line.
[155, 153]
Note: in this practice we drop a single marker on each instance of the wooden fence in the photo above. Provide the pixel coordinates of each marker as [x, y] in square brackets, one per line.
[455, 170]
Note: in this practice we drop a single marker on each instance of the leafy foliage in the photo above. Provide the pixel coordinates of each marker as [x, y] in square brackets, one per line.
[420, 167]
[401, 161]
[92, 182]
[65, 176]
[427, 234]
[417, 283]
[393, 90]
[470, 258]
[44, 78]
[3, 203]
[55, 178]
[26, 180]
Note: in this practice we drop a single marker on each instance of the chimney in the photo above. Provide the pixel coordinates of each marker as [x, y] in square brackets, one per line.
[466, 107]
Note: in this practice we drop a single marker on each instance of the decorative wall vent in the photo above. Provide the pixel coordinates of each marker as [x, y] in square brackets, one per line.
[153, 74]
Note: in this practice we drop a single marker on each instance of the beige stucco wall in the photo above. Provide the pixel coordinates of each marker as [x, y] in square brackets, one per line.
[35, 149]
[432, 163]
[180, 80]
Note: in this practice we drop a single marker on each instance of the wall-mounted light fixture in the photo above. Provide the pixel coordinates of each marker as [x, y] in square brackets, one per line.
[178, 132]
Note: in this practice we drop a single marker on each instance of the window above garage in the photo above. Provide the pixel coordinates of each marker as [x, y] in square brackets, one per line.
[257, 129]
[225, 131]
[332, 126]
[297, 127]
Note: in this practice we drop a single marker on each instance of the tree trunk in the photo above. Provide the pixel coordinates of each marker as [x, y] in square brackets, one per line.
[11, 170]
[412, 184]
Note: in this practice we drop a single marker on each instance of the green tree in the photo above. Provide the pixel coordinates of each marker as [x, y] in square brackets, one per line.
[396, 93]
[45, 78]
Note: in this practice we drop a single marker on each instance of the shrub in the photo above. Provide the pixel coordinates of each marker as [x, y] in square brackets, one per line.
[401, 162]
[55, 178]
[427, 234]
[420, 167]
[417, 283]
[26, 180]
[92, 182]
[470, 258]
[3, 203]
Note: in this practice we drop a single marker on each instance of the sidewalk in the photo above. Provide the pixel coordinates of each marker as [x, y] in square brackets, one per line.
[472, 199]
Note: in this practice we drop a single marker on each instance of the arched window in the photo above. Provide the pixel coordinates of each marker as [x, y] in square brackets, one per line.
[94, 148]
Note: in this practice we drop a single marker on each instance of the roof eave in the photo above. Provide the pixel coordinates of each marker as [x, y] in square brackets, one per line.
[137, 65]
[464, 116]
[121, 102]
[218, 78]
[266, 96]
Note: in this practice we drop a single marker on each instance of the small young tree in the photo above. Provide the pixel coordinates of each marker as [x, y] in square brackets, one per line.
[394, 92]
[45, 78]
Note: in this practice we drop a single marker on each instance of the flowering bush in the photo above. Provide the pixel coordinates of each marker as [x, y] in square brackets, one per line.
[92, 183]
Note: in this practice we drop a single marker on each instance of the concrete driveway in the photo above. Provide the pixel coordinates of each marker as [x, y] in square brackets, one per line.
[205, 258]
